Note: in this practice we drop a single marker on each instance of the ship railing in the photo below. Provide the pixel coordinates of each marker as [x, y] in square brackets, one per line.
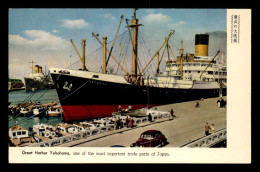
[209, 140]
[92, 132]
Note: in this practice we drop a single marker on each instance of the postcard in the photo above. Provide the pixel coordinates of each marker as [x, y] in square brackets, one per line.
[143, 85]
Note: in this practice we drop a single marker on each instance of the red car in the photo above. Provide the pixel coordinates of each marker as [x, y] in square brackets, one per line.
[150, 138]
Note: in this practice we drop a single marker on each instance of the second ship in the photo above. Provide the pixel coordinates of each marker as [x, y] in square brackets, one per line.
[86, 95]
[37, 80]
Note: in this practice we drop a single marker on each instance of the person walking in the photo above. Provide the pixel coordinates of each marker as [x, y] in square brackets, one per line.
[222, 103]
[218, 102]
[119, 108]
[130, 122]
[119, 123]
[130, 108]
[212, 129]
[172, 113]
[150, 117]
[207, 127]
[197, 104]
[127, 121]
[116, 127]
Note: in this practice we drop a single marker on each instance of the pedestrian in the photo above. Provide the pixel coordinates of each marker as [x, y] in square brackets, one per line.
[207, 129]
[130, 108]
[172, 112]
[130, 122]
[119, 108]
[197, 104]
[116, 127]
[118, 123]
[127, 121]
[150, 117]
[222, 103]
[212, 129]
[218, 102]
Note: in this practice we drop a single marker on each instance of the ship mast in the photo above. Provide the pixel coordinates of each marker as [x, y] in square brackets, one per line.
[83, 52]
[32, 66]
[105, 55]
[181, 60]
[135, 26]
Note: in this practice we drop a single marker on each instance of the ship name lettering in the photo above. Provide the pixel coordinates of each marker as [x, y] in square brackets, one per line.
[98, 83]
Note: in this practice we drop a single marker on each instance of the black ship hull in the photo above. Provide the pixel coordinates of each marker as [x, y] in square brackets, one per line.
[86, 98]
[34, 85]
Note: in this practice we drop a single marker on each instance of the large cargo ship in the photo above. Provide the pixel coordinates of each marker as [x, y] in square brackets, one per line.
[37, 80]
[84, 94]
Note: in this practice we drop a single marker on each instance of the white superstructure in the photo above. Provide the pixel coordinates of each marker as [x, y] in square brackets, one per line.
[197, 72]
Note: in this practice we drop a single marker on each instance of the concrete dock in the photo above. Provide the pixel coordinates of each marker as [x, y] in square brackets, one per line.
[186, 127]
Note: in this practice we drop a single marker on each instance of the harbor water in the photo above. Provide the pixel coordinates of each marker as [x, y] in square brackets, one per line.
[42, 96]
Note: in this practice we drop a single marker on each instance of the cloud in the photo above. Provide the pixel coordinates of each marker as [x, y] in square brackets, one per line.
[177, 24]
[78, 24]
[38, 39]
[110, 16]
[15, 60]
[180, 23]
[156, 18]
[55, 31]
[17, 40]
[39, 46]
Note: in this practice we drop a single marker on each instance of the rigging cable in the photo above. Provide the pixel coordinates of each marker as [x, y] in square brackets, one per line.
[152, 64]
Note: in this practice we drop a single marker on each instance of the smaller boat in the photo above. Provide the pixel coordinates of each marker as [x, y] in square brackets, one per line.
[25, 112]
[43, 132]
[82, 126]
[64, 129]
[54, 111]
[39, 111]
[19, 136]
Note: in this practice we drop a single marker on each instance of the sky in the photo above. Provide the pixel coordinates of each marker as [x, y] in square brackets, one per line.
[43, 35]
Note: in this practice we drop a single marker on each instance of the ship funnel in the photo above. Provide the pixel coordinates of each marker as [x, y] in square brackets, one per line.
[36, 68]
[40, 69]
[201, 44]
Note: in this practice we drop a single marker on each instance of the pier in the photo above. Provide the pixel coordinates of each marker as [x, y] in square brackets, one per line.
[186, 130]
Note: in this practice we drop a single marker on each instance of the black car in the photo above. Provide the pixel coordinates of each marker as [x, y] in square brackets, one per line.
[150, 138]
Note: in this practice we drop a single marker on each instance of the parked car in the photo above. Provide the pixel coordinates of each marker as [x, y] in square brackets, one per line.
[150, 138]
